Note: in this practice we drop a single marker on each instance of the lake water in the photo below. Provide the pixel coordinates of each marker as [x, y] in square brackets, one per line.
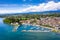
[7, 34]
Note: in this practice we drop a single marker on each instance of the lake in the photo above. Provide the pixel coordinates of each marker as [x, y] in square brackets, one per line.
[7, 34]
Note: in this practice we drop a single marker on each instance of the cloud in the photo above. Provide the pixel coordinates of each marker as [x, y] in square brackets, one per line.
[50, 6]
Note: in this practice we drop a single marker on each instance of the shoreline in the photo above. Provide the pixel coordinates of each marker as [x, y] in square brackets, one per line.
[36, 25]
[15, 28]
[51, 29]
[36, 30]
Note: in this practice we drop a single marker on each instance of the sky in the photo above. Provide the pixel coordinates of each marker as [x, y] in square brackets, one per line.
[23, 6]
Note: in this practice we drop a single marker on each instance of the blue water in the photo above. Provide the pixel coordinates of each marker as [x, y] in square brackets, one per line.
[7, 34]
